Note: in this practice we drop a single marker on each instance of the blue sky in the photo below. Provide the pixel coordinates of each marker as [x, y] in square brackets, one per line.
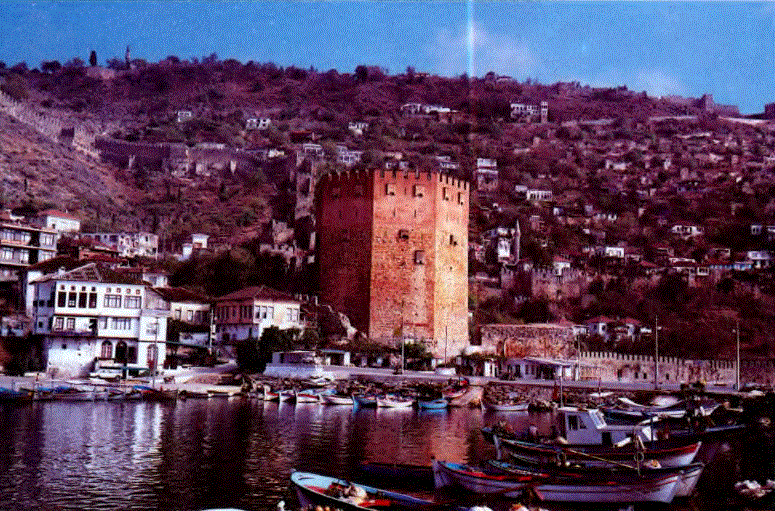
[688, 48]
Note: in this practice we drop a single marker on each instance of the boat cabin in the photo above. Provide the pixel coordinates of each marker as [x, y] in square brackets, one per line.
[583, 426]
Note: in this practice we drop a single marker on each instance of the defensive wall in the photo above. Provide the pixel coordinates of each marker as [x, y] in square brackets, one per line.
[639, 368]
[530, 340]
[48, 126]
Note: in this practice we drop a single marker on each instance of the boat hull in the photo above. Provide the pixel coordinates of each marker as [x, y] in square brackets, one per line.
[311, 490]
[667, 453]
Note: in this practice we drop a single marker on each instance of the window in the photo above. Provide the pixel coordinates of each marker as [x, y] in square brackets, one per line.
[177, 314]
[419, 191]
[82, 300]
[107, 350]
[573, 422]
[460, 199]
[189, 315]
[103, 322]
[92, 300]
[24, 256]
[71, 324]
[445, 193]
[71, 299]
[403, 234]
[271, 312]
[390, 189]
[419, 257]
[132, 302]
[61, 299]
[59, 323]
[452, 240]
[122, 323]
[113, 301]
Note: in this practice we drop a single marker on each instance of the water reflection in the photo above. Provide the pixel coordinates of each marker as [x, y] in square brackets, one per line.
[214, 453]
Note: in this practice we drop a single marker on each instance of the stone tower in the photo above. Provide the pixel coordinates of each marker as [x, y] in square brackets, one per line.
[393, 255]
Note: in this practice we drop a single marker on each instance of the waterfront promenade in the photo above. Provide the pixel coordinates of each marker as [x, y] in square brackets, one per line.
[202, 379]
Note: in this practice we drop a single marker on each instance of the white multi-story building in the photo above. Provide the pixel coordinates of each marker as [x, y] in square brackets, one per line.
[245, 314]
[258, 123]
[134, 244]
[22, 245]
[92, 316]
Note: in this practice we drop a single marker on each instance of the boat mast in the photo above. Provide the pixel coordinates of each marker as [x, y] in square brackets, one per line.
[656, 352]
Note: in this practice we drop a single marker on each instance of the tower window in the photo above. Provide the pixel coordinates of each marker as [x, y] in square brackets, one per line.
[445, 193]
[403, 234]
[390, 189]
[419, 191]
[419, 257]
[452, 240]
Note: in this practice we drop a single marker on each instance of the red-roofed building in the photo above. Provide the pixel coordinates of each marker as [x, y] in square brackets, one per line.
[59, 221]
[244, 314]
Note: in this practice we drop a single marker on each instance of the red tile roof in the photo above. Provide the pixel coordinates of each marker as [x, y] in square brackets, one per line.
[259, 293]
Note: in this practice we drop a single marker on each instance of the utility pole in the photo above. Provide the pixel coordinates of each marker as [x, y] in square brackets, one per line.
[656, 352]
[737, 357]
[446, 334]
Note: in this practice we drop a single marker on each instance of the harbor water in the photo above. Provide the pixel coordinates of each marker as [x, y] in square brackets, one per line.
[196, 454]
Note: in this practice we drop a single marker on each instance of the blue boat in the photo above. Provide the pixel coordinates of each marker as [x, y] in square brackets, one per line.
[432, 404]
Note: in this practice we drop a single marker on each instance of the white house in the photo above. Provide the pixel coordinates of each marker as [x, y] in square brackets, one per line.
[538, 195]
[92, 317]
[687, 230]
[258, 123]
[59, 221]
[245, 314]
[134, 244]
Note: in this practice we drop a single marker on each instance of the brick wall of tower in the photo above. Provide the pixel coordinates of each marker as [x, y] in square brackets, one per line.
[404, 269]
[403, 255]
[344, 237]
[451, 293]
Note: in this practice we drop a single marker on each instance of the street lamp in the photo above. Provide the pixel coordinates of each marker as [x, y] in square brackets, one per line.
[656, 352]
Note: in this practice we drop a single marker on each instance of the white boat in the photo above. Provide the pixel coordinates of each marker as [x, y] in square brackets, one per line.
[623, 488]
[306, 396]
[504, 407]
[336, 399]
[394, 401]
[76, 395]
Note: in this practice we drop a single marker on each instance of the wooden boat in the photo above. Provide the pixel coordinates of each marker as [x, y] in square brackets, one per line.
[75, 395]
[394, 401]
[669, 453]
[399, 474]
[278, 395]
[629, 410]
[687, 476]
[153, 394]
[14, 396]
[504, 407]
[432, 404]
[307, 396]
[336, 399]
[610, 488]
[365, 400]
[318, 490]
[192, 394]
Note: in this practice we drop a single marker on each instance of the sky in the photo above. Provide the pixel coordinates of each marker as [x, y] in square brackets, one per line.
[687, 48]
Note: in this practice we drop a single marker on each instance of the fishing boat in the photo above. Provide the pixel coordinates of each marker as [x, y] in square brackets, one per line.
[628, 410]
[73, 394]
[394, 401]
[687, 476]
[432, 404]
[14, 396]
[318, 490]
[307, 396]
[673, 452]
[504, 407]
[365, 400]
[154, 394]
[401, 475]
[336, 399]
[607, 488]
[192, 394]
